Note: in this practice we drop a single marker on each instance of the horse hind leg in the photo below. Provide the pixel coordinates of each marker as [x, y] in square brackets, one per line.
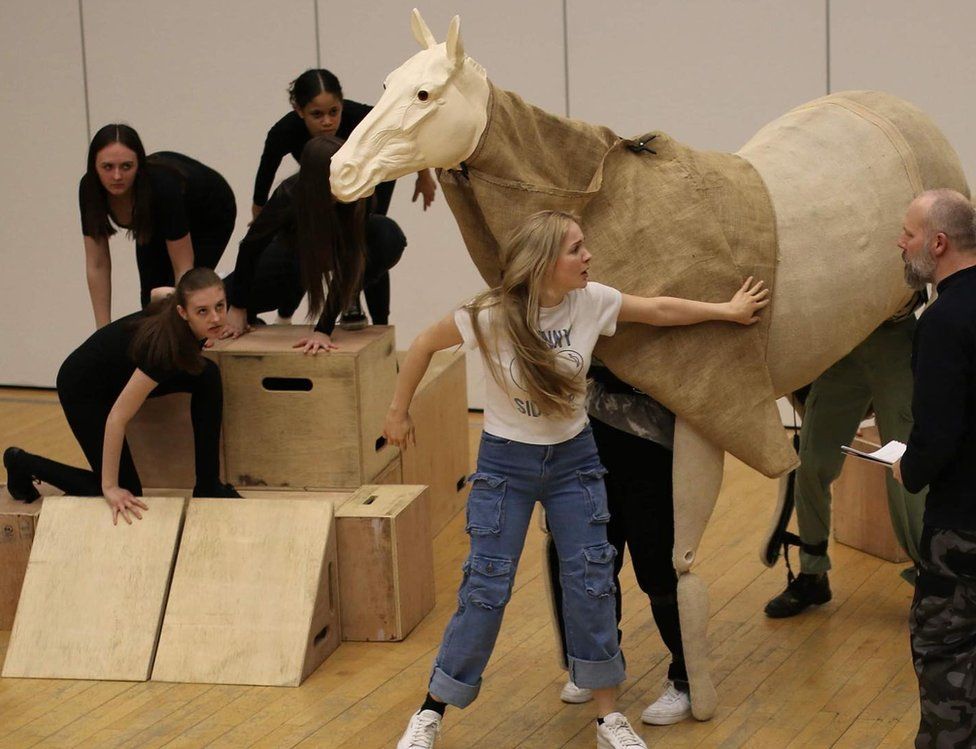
[697, 472]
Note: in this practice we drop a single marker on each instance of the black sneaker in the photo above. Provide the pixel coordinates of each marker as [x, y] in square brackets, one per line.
[353, 318]
[20, 483]
[806, 590]
[221, 491]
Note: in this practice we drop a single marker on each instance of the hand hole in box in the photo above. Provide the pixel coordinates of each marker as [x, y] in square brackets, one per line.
[287, 384]
[460, 483]
[321, 635]
[380, 443]
[370, 499]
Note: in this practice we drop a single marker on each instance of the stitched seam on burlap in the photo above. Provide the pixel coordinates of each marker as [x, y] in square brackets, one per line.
[893, 134]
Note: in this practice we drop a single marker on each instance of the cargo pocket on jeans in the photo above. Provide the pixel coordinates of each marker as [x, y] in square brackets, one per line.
[489, 581]
[595, 492]
[598, 575]
[485, 504]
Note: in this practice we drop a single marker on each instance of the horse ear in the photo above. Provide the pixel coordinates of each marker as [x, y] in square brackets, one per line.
[421, 32]
[455, 47]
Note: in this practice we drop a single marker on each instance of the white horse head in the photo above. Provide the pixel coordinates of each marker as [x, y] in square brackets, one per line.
[432, 114]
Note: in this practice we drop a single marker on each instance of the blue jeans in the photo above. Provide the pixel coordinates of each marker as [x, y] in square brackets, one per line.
[568, 480]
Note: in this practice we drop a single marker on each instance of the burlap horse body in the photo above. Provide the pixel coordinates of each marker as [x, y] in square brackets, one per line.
[811, 205]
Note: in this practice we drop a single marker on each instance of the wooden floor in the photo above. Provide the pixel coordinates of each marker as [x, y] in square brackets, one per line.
[838, 676]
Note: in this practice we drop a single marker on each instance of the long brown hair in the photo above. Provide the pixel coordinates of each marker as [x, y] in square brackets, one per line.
[94, 198]
[163, 340]
[526, 260]
[329, 235]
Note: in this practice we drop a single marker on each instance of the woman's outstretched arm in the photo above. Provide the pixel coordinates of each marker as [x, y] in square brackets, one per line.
[664, 311]
[441, 335]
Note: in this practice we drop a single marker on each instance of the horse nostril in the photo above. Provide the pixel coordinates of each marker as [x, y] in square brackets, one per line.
[348, 173]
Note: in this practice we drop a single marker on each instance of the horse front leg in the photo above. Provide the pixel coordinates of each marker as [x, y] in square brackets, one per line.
[697, 473]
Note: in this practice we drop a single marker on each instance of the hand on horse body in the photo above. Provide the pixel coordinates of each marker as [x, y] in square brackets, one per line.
[745, 305]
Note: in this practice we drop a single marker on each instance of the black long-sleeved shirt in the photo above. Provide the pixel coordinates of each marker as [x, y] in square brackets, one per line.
[289, 136]
[941, 450]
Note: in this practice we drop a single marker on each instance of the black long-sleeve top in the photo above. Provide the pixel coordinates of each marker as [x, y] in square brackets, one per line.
[277, 218]
[941, 450]
[289, 136]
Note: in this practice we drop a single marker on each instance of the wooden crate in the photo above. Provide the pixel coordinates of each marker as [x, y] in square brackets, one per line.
[292, 420]
[94, 593]
[386, 562]
[440, 458]
[160, 437]
[254, 598]
[860, 504]
[17, 526]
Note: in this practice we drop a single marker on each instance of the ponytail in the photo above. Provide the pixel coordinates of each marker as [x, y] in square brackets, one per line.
[163, 339]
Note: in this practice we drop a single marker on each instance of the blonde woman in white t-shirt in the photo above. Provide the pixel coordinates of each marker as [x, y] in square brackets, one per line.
[536, 332]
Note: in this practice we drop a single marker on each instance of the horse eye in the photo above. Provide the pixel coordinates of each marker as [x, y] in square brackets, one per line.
[423, 95]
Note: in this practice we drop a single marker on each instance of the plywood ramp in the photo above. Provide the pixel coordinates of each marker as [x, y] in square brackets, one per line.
[94, 593]
[254, 595]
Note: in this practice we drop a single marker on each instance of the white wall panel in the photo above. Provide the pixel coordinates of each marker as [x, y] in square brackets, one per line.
[709, 73]
[919, 51]
[521, 46]
[203, 77]
[42, 286]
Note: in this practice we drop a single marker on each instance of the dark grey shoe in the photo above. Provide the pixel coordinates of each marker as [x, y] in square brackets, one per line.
[804, 591]
[353, 318]
[20, 483]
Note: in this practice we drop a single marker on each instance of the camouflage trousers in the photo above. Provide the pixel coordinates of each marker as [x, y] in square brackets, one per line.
[943, 635]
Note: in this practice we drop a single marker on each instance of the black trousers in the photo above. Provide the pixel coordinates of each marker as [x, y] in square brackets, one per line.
[641, 503]
[209, 234]
[277, 282]
[87, 415]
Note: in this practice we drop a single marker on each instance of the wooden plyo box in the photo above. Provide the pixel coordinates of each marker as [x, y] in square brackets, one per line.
[17, 526]
[386, 562]
[295, 421]
[160, 437]
[860, 504]
[254, 598]
[440, 458]
[94, 593]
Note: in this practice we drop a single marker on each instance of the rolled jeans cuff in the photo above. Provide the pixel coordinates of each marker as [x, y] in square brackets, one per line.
[452, 691]
[597, 674]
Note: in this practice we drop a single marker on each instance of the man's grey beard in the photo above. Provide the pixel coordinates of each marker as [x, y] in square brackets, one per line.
[920, 269]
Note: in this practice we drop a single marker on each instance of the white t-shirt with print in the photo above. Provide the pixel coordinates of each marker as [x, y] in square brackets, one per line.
[572, 328]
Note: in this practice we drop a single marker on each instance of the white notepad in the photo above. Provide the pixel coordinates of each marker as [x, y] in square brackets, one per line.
[887, 455]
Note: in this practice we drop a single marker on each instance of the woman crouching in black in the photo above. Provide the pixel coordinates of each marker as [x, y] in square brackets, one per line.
[103, 383]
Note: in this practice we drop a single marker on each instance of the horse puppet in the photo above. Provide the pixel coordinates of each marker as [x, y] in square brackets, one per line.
[811, 204]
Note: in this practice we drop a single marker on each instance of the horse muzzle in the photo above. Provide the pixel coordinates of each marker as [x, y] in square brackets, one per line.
[348, 182]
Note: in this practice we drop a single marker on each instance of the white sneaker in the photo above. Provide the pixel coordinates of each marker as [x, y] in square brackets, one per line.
[575, 695]
[615, 733]
[421, 730]
[671, 707]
